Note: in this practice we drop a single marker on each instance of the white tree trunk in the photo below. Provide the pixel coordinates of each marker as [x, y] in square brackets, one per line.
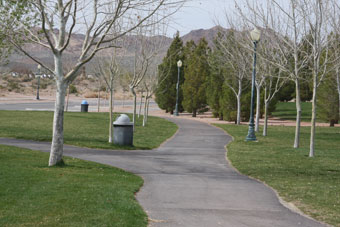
[238, 97]
[134, 107]
[56, 153]
[111, 116]
[313, 121]
[258, 107]
[265, 125]
[140, 104]
[298, 114]
[145, 111]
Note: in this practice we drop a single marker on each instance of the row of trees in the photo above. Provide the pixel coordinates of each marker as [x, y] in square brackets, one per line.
[298, 55]
[52, 25]
[210, 78]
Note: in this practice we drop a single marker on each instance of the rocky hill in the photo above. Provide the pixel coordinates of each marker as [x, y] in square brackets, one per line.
[20, 63]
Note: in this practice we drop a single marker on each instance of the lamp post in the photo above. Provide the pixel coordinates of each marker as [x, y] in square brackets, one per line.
[255, 37]
[179, 65]
[38, 75]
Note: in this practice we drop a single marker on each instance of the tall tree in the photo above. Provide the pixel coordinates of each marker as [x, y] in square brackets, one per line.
[196, 72]
[285, 24]
[167, 77]
[108, 71]
[214, 83]
[316, 23]
[59, 19]
[236, 61]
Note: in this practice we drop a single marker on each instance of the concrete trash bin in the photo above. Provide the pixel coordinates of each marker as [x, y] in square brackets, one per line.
[123, 131]
[84, 107]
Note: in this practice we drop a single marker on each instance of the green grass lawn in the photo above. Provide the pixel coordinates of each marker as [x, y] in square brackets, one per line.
[312, 184]
[78, 194]
[287, 111]
[82, 129]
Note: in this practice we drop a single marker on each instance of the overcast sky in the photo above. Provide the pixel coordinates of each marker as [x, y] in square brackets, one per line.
[198, 14]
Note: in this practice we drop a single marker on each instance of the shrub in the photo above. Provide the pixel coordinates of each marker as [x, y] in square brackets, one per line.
[73, 89]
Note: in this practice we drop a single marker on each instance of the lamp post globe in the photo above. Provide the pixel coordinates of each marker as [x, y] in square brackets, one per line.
[179, 65]
[255, 37]
[38, 76]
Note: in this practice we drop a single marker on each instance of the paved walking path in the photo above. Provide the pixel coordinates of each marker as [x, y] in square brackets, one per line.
[189, 183]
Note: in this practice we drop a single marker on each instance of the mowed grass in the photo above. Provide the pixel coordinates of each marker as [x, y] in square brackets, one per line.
[312, 184]
[82, 129]
[78, 194]
[287, 111]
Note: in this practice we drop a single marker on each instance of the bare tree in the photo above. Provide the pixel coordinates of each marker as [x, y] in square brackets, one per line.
[272, 85]
[233, 56]
[149, 42]
[108, 71]
[285, 24]
[60, 19]
[316, 25]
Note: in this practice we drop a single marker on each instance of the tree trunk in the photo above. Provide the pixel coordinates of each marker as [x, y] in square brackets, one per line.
[111, 116]
[134, 107]
[56, 153]
[140, 104]
[194, 113]
[298, 114]
[258, 107]
[313, 121]
[145, 111]
[265, 125]
[332, 123]
[238, 97]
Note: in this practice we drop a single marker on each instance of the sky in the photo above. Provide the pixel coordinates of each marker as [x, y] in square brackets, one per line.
[197, 14]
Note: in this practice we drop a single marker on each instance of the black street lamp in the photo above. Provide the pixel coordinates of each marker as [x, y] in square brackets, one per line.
[38, 75]
[179, 65]
[255, 37]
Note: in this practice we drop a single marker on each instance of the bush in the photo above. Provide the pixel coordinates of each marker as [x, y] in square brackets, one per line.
[13, 85]
[73, 89]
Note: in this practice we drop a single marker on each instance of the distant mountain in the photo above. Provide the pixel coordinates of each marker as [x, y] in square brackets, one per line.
[208, 34]
[18, 62]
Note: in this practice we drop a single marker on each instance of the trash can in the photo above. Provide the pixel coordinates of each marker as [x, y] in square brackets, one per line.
[84, 107]
[123, 131]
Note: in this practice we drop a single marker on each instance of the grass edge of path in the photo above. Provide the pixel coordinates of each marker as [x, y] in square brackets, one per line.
[282, 199]
[94, 192]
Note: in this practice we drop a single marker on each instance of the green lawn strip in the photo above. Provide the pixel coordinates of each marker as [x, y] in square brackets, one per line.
[82, 129]
[80, 193]
[287, 111]
[312, 184]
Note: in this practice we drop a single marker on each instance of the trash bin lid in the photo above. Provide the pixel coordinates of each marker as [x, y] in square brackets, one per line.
[123, 119]
[84, 102]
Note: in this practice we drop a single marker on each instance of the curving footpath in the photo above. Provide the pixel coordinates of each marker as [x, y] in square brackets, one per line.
[188, 181]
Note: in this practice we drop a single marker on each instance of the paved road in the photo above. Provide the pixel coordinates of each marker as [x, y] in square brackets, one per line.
[189, 183]
[48, 105]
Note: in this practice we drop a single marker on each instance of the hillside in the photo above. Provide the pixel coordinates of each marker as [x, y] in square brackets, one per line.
[20, 63]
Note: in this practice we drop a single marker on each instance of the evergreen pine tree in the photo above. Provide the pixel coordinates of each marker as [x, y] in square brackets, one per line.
[196, 72]
[214, 83]
[167, 77]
